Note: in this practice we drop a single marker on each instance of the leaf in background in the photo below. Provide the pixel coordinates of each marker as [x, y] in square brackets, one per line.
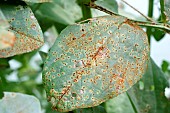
[150, 97]
[59, 13]
[19, 103]
[25, 27]
[110, 5]
[7, 38]
[119, 104]
[37, 1]
[92, 62]
[97, 109]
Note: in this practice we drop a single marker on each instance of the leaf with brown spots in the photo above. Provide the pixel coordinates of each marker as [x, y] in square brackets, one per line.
[96, 61]
[25, 28]
[7, 38]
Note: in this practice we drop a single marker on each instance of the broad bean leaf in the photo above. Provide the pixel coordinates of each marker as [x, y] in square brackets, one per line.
[110, 5]
[92, 62]
[65, 12]
[149, 97]
[25, 27]
[7, 38]
[19, 103]
[119, 104]
[37, 1]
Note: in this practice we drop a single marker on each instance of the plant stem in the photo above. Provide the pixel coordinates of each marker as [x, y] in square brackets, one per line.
[163, 16]
[86, 11]
[150, 14]
[162, 26]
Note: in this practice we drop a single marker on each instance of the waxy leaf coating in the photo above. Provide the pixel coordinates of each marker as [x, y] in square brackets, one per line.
[92, 62]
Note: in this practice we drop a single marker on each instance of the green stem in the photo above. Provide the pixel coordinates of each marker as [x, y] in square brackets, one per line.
[150, 14]
[163, 16]
[86, 11]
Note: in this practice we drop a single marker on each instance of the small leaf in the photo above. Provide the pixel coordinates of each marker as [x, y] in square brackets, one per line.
[25, 27]
[158, 34]
[92, 62]
[19, 103]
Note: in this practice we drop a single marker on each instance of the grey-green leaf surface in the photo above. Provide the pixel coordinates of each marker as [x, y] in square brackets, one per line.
[148, 95]
[92, 62]
[19, 103]
[25, 27]
[110, 5]
[119, 104]
[37, 1]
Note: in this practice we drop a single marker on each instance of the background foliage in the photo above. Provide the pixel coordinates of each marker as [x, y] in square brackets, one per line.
[53, 16]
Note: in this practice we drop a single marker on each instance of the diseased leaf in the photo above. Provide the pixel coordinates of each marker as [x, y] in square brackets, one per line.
[150, 97]
[92, 62]
[37, 1]
[19, 103]
[7, 38]
[25, 27]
